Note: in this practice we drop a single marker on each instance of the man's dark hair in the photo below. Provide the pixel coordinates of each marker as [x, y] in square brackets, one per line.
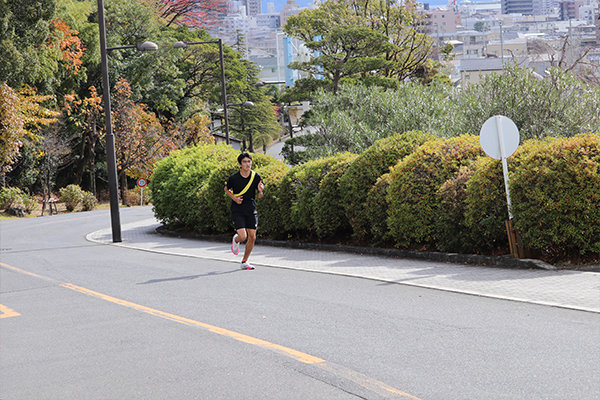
[242, 156]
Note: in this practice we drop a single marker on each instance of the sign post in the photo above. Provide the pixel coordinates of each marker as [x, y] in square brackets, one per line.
[142, 183]
[499, 138]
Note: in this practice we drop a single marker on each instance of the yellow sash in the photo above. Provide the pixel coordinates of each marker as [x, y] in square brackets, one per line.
[244, 190]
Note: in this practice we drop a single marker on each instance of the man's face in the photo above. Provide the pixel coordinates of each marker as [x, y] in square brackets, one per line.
[246, 164]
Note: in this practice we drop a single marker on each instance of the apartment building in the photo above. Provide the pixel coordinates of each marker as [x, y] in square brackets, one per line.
[525, 7]
[441, 21]
[570, 9]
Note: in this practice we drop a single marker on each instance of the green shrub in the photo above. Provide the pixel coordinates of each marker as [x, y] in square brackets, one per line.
[297, 191]
[485, 200]
[329, 214]
[268, 214]
[134, 196]
[71, 196]
[415, 181]
[29, 202]
[555, 197]
[367, 168]
[451, 232]
[218, 202]
[10, 196]
[89, 201]
[179, 181]
[376, 210]
[270, 220]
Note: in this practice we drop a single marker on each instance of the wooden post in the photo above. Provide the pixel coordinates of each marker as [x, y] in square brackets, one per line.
[512, 239]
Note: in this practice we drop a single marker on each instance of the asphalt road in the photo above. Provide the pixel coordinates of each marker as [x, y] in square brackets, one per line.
[80, 320]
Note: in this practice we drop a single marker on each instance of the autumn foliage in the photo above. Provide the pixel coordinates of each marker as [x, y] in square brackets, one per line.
[139, 138]
[197, 13]
[70, 45]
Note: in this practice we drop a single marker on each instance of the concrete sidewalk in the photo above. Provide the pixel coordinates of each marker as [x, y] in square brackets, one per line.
[567, 289]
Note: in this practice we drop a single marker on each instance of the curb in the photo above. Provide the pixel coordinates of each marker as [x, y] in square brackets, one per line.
[455, 258]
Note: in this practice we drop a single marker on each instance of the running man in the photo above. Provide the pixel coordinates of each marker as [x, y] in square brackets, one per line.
[241, 188]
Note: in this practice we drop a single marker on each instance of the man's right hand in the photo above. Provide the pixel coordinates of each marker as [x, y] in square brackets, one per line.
[238, 199]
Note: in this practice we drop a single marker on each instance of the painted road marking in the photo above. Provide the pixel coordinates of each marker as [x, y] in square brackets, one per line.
[340, 371]
[302, 357]
[6, 312]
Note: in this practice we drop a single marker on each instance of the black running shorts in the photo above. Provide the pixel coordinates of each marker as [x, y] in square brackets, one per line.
[245, 219]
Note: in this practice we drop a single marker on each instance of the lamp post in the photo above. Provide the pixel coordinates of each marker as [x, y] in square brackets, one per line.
[111, 161]
[182, 45]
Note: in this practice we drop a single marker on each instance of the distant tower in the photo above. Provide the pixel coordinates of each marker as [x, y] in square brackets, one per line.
[525, 7]
[254, 7]
[289, 8]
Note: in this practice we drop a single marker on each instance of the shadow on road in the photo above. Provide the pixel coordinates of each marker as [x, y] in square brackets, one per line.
[190, 277]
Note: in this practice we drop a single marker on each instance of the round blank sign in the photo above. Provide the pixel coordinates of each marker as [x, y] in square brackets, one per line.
[494, 130]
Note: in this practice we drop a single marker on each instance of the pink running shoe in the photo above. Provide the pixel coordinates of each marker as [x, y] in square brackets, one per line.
[235, 246]
[245, 265]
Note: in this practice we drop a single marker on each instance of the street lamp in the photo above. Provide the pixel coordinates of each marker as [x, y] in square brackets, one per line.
[242, 105]
[183, 45]
[111, 161]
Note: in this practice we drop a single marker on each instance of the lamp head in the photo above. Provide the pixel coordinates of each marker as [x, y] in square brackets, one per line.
[180, 45]
[146, 46]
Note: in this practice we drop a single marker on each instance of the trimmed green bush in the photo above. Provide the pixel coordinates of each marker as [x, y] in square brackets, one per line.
[71, 196]
[218, 202]
[412, 195]
[270, 206]
[134, 196]
[485, 200]
[10, 196]
[451, 232]
[268, 210]
[555, 197]
[297, 191]
[329, 213]
[178, 184]
[367, 168]
[376, 210]
[89, 201]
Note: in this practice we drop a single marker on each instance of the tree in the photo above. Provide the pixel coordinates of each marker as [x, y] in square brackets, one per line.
[400, 23]
[539, 107]
[191, 12]
[257, 125]
[85, 116]
[12, 130]
[139, 137]
[481, 26]
[24, 33]
[376, 42]
[345, 46]
[195, 130]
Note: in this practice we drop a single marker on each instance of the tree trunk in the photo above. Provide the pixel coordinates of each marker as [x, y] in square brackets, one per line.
[124, 188]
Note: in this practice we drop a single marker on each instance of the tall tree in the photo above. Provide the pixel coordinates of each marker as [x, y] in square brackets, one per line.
[85, 116]
[139, 137]
[12, 130]
[377, 42]
[400, 22]
[25, 57]
[345, 45]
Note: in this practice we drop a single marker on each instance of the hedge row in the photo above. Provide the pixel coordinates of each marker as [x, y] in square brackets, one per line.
[410, 191]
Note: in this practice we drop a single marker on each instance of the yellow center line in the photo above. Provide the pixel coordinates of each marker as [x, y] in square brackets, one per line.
[22, 271]
[298, 355]
[354, 376]
[6, 312]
